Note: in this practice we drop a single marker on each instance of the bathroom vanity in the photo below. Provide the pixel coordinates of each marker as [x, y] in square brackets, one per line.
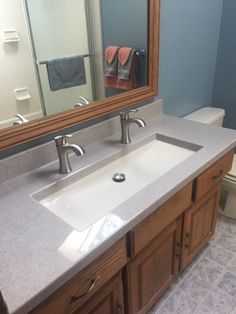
[121, 260]
[132, 275]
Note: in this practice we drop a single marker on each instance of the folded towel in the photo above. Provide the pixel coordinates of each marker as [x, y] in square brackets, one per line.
[111, 61]
[66, 72]
[125, 64]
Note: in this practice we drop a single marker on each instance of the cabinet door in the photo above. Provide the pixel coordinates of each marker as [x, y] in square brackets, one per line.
[108, 300]
[154, 268]
[199, 225]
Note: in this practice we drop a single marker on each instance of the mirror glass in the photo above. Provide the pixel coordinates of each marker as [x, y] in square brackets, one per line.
[59, 54]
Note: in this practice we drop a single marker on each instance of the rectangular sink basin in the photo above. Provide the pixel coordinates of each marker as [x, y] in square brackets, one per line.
[83, 202]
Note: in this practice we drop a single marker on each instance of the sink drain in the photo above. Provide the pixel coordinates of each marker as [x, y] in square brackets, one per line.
[119, 177]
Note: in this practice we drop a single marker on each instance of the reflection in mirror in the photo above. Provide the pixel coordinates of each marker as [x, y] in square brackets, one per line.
[57, 55]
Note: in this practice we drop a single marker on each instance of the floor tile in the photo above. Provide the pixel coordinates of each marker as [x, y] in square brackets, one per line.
[220, 302]
[203, 310]
[232, 265]
[178, 303]
[228, 284]
[195, 286]
[219, 255]
[227, 225]
[227, 241]
[207, 271]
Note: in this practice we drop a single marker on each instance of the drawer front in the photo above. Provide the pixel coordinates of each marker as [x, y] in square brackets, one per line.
[74, 293]
[213, 175]
[147, 230]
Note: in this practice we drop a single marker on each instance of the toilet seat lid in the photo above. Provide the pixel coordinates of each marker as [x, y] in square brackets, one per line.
[232, 174]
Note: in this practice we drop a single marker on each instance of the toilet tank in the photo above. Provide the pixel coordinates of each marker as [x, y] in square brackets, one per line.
[208, 115]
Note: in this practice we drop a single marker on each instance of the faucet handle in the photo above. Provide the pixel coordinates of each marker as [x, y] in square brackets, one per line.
[125, 114]
[62, 139]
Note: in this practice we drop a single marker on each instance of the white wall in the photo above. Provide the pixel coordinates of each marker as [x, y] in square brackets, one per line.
[16, 66]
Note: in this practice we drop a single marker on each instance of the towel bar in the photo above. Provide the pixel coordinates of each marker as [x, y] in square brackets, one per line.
[45, 62]
[140, 52]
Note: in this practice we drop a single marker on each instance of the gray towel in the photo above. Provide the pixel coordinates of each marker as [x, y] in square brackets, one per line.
[126, 55]
[66, 72]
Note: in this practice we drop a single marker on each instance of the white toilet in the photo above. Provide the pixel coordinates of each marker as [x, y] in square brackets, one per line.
[215, 116]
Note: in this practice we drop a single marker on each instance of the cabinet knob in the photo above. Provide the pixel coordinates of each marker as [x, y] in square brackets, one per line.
[187, 241]
[119, 306]
[178, 250]
[219, 175]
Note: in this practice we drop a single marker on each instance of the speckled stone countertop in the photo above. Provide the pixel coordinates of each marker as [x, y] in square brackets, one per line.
[36, 257]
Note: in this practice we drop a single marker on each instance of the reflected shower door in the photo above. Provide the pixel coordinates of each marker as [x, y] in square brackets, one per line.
[59, 28]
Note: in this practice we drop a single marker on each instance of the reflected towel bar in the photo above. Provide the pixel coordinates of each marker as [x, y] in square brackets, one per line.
[45, 62]
[140, 52]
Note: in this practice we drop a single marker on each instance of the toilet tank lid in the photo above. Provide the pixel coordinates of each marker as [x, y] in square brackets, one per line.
[206, 115]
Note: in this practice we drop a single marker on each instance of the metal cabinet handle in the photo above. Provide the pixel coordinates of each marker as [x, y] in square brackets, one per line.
[93, 282]
[218, 175]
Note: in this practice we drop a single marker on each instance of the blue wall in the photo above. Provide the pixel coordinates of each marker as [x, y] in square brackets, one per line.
[224, 95]
[189, 41]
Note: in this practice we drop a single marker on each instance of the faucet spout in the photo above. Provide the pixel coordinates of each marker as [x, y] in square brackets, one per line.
[78, 150]
[140, 122]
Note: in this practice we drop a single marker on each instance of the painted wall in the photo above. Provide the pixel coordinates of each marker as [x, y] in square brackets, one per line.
[224, 95]
[189, 42]
[16, 64]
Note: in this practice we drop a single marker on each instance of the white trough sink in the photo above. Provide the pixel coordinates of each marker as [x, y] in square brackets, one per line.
[83, 202]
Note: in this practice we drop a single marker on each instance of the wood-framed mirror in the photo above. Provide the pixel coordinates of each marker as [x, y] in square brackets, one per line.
[113, 101]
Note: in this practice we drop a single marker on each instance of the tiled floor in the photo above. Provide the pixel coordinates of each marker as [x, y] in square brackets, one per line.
[208, 285]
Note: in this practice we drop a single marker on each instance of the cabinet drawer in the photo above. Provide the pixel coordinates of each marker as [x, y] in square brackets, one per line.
[74, 293]
[148, 229]
[213, 175]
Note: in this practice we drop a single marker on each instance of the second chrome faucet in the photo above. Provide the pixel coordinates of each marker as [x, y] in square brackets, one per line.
[125, 122]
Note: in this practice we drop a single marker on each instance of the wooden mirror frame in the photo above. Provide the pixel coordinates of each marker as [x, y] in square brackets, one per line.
[14, 136]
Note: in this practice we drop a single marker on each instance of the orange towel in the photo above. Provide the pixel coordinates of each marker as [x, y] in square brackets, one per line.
[111, 61]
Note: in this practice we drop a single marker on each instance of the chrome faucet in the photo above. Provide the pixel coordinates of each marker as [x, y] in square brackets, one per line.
[83, 101]
[125, 121]
[20, 120]
[63, 148]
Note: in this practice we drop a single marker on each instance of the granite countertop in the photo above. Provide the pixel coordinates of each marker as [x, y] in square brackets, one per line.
[39, 252]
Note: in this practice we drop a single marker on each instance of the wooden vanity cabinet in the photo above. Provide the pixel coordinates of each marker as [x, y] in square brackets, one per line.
[71, 297]
[152, 271]
[199, 225]
[108, 300]
[200, 218]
